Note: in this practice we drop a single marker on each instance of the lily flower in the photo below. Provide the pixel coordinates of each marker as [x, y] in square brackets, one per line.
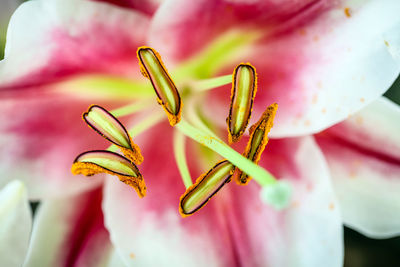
[321, 61]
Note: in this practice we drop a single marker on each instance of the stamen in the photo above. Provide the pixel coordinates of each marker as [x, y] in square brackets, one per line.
[130, 109]
[206, 186]
[103, 122]
[257, 142]
[260, 175]
[244, 87]
[180, 158]
[142, 127]
[103, 161]
[207, 84]
[153, 68]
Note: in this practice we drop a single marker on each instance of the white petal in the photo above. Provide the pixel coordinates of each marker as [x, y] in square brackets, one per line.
[235, 228]
[363, 155]
[70, 232]
[15, 224]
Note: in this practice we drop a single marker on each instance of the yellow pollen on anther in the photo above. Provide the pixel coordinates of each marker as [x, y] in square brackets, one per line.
[94, 162]
[243, 92]
[90, 169]
[257, 142]
[108, 126]
[205, 187]
[152, 67]
[134, 154]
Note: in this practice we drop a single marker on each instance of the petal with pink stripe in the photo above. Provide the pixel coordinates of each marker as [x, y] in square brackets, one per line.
[70, 232]
[314, 58]
[235, 228]
[51, 40]
[364, 158]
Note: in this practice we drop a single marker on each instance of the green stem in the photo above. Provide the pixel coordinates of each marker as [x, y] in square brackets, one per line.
[259, 174]
[180, 157]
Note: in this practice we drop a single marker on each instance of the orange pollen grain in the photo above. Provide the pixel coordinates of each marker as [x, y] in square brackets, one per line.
[90, 169]
[347, 12]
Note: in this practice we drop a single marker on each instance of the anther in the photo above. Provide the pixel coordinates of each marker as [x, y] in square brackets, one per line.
[258, 140]
[153, 68]
[102, 161]
[206, 186]
[108, 126]
[244, 87]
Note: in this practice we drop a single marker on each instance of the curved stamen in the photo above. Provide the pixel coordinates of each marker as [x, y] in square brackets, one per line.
[130, 109]
[180, 158]
[244, 87]
[206, 186]
[108, 126]
[168, 96]
[208, 84]
[102, 161]
[258, 140]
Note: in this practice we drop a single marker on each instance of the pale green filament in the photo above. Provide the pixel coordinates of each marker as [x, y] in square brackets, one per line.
[107, 87]
[146, 124]
[259, 174]
[130, 109]
[208, 84]
[225, 50]
[142, 126]
[180, 157]
[194, 116]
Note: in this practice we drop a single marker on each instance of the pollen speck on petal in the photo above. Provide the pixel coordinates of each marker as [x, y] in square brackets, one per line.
[102, 161]
[206, 186]
[108, 126]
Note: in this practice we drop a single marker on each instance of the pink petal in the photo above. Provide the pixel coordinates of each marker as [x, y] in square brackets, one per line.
[70, 232]
[51, 40]
[235, 228]
[315, 59]
[146, 6]
[363, 155]
[40, 137]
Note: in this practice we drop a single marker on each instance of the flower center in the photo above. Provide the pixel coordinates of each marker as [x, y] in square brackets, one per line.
[244, 86]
